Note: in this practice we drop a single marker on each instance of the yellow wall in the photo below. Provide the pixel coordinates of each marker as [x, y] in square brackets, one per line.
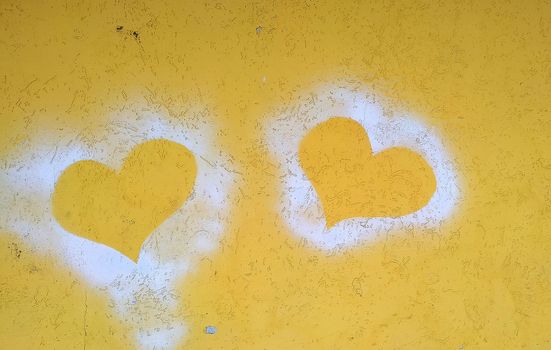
[476, 73]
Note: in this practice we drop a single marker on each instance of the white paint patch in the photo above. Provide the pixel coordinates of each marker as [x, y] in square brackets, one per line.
[143, 293]
[161, 338]
[300, 205]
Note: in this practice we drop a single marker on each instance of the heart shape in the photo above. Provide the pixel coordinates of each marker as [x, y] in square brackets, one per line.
[351, 181]
[121, 209]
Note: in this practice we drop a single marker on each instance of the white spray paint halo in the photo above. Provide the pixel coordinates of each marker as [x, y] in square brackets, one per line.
[300, 206]
[193, 231]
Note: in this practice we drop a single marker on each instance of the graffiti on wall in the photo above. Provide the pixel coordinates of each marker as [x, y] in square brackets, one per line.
[274, 175]
[137, 209]
[351, 174]
[130, 213]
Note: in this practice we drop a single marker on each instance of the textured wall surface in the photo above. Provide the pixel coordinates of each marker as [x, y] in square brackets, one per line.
[175, 165]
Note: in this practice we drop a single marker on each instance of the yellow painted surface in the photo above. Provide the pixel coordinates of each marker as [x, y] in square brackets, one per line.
[121, 210]
[476, 71]
[44, 305]
[353, 182]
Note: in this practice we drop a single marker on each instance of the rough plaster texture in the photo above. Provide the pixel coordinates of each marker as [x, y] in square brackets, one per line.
[90, 80]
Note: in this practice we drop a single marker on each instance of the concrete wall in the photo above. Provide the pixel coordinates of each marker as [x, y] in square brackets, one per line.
[275, 175]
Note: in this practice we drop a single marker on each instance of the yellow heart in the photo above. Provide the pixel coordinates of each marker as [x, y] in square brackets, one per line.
[351, 181]
[121, 209]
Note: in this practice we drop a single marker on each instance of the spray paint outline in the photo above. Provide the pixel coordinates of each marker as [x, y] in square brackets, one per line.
[300, 206]
[166, 255]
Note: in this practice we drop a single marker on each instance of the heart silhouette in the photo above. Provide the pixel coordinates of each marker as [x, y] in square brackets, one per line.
[121, 209]
[351, 181]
